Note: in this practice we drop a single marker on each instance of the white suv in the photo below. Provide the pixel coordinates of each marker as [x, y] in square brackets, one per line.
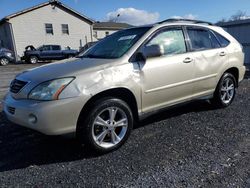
[125, 77]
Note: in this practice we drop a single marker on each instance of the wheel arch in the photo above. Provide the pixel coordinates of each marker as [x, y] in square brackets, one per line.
[120, 93]
[235, 72]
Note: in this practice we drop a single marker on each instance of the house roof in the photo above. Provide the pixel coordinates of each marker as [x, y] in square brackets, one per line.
[110, 25]
[234, 23]
[52, 3]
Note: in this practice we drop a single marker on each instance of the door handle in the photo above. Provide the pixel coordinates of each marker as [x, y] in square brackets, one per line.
[222, 53]
[187, 60]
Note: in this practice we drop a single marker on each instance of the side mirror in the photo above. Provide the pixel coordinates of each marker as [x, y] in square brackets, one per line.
[153, 51]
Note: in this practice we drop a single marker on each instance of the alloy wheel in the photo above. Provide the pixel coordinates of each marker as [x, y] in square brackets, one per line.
[227, 90]
[110, 127]
[4, 61]
[33, 60]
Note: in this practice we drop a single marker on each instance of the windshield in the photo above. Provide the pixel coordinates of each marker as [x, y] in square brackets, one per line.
[40, 47]
[115, 45]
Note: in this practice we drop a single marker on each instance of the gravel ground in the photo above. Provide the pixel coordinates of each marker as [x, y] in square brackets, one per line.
[189, 146]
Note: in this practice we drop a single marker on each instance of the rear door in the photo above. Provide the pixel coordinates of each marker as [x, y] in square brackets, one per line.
[209, 56]
[56, 52]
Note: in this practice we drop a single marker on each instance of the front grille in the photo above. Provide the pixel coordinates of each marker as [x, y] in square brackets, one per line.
[11, 110]
[17, 85]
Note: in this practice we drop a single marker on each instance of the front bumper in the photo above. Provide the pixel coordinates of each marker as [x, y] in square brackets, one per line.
[52, 117]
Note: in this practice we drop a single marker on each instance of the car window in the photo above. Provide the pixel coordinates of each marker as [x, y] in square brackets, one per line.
[223, 41]
[56, 48]
[214, 40]
[172, 41]
[46, 48]
[202, 39]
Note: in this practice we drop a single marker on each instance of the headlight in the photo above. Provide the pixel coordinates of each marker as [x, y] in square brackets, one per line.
[49, 90]
[9, 54]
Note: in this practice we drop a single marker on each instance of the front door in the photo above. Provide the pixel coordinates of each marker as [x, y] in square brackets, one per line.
[45, 52]
[167, 80]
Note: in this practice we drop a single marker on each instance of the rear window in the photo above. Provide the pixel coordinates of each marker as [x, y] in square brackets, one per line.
[214, 40]
[200, 39]
[223, 41]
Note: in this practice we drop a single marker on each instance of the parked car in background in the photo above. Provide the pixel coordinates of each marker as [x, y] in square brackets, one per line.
[126, 77]
[47, 52]
[6, 56]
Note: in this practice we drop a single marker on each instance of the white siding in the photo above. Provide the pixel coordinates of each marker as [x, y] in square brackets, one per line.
[101, 34]
[29, 29]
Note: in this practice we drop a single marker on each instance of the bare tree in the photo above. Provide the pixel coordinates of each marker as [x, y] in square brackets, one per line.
[223, 20]
[240, 15]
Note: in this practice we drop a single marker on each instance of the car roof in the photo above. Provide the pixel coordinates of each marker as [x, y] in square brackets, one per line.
[179, 22]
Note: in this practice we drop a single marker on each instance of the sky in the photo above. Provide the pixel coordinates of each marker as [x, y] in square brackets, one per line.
[138, 12]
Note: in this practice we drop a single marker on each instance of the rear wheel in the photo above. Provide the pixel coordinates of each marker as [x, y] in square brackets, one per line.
[107, 126]
[225, 91]
[33, 59]
[4, 61]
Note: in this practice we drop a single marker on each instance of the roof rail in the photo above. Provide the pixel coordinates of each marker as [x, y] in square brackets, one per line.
[185, 20]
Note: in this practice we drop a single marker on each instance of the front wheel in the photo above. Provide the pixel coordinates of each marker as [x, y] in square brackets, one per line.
[107, 126]
[4, 61]
[33, 59]
[225, 91]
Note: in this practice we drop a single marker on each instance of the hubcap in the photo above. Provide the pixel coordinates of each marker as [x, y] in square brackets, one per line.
[110, 127]
[4, 61]
[227, 90]
[33, 60]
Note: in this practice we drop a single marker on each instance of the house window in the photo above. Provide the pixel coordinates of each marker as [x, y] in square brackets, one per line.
[65, 29]
[107, 33]
[49, 29]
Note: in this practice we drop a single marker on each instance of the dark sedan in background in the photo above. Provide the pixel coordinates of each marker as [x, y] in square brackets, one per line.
[6, 56]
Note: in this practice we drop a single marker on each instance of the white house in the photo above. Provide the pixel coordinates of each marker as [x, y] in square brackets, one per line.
[103, 29]
[48, 23]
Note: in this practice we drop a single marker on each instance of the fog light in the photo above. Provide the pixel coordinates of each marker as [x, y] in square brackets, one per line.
[32, 118]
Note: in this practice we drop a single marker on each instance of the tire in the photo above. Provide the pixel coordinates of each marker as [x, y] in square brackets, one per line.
[225, 91]
[107, 126]
[4, 61]
[33, 59]
[70, 56]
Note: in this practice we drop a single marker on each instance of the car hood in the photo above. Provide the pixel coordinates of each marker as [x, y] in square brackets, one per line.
[65, 68]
